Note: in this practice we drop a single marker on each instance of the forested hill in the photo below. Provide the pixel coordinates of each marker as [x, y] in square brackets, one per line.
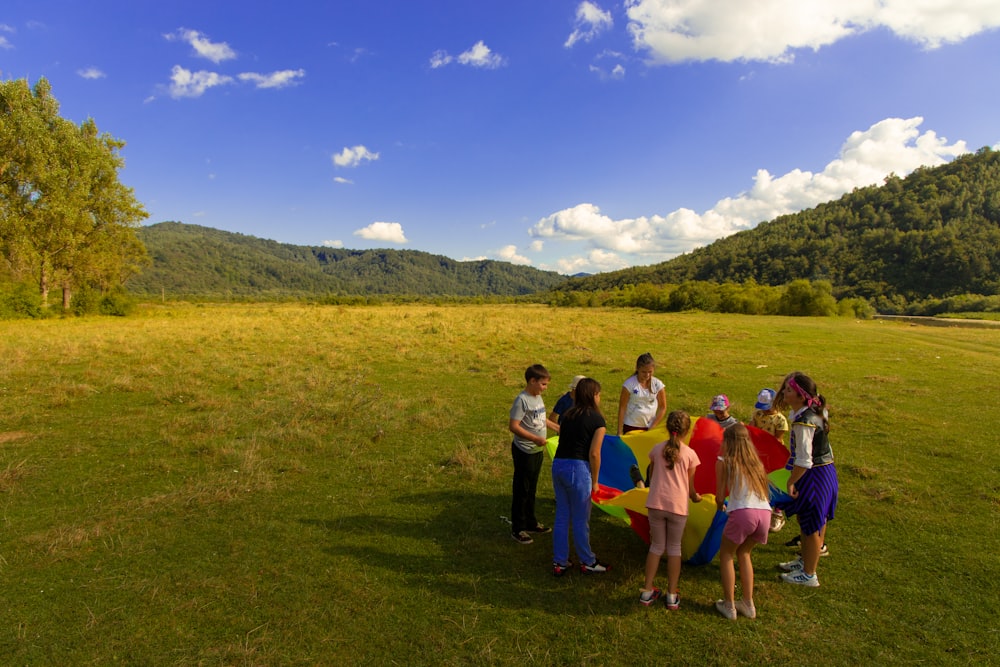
[935, 233]
[190, 260]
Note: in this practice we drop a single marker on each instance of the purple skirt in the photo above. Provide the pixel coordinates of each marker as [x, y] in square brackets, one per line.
[817, 499]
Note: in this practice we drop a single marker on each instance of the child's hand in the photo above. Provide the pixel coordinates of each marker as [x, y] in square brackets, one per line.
[792, 491]
[696, 498]
[720, 504]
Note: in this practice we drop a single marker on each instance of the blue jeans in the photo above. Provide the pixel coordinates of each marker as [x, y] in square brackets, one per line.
[571, 482]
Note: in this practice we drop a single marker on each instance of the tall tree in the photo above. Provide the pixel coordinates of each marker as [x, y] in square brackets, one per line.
[64, 216]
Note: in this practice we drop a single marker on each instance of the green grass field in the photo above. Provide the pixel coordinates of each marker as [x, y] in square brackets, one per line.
[300, 485]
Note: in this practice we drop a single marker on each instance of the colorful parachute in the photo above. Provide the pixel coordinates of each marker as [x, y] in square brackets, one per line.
[703, 533]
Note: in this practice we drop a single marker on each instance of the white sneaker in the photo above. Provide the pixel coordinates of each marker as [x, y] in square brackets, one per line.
[801, 578]
[746, 608]
[792, 565]
[723, 607]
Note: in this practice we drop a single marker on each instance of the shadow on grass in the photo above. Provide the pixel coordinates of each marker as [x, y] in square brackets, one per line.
[464, 551]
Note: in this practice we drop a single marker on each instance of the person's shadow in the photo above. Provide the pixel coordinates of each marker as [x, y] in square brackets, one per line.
[465, 552]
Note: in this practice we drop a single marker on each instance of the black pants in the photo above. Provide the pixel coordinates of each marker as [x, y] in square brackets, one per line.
[527, 467]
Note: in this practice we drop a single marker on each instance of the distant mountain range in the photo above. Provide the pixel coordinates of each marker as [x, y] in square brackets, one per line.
[190, 260]
[934, 234]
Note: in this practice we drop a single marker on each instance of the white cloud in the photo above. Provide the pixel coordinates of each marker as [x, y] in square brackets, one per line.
[771, 30]
[91, 73]
[4, 42]
[352, 157]
[342, 180]
[203, 47]
[591, 20]
[185, 83]
[280, 79]
[333, 244]
[478, 55]
[391, 232]
[595, 261]
[893, 145]
[508, 253]
[440, 59]
[537, 245]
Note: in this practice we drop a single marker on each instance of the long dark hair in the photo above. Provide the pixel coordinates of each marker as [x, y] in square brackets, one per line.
[584, 398]
[678, 424]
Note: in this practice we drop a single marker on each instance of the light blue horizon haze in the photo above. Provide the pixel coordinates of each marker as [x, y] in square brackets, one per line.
[570, 136]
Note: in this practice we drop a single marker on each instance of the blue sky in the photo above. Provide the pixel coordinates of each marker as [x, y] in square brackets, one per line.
[570, 136]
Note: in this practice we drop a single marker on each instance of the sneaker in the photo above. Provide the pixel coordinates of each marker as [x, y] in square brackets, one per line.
[794, 542]
[597, 567]
[801, 578]
[649, 597]
[746, 608]
[636, 476]
[723, 608]
[777, 521]
[792, 565]
[673, 601]
[522, 537]
[540, 529]
[559, 570]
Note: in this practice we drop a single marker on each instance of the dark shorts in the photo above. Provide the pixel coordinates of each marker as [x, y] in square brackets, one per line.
[817, 499]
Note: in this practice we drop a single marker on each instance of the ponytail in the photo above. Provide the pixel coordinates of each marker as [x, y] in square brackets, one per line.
[678, 424]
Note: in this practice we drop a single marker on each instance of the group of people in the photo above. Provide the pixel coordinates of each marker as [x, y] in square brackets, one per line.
[740, 477]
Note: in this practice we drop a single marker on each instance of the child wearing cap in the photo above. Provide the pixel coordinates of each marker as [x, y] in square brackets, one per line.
[720, 412]
[565, 401]
[767, 418]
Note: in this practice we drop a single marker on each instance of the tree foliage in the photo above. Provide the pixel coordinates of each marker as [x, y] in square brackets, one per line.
[65, 218]
[195, 261]
[934, 234]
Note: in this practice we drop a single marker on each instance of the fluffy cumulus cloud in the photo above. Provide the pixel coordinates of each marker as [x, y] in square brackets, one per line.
[508, 253]
[353, 156]
[771, 30]
[333, 244]
[390, 232]
[893, 145]
[203, 47]
[185, 83]
[591, 21]
[280, 79]
[478, 55]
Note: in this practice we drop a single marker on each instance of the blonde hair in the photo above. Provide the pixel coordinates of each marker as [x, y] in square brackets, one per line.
[740, 459]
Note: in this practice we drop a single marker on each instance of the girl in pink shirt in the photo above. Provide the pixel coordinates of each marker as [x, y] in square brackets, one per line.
[671, 484]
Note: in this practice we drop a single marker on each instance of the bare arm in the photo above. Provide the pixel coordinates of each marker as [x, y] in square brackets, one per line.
[518, 430]
[692, 494]
[661, 407]
[720, 484]
[622, 405]
[595, 457]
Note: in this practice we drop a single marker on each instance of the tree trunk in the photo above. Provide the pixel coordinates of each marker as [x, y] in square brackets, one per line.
[67, 296]
[43, 285]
